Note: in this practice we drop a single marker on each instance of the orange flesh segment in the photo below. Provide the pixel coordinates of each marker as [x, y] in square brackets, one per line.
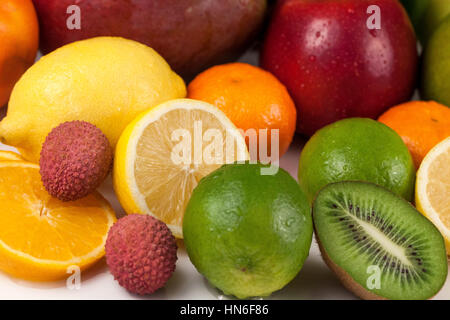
[35, 224]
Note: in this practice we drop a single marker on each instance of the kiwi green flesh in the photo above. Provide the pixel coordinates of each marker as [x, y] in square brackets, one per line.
[370, 234]
[346, 280]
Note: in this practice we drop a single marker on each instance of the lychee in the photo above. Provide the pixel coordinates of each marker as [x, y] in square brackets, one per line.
[75, 159]
[141, 253]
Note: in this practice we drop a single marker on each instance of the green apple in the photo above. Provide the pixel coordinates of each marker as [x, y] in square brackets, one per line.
[436, 12]
[436, 65]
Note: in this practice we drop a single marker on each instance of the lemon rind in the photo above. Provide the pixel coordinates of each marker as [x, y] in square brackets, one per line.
[423, 202]
[134, 199]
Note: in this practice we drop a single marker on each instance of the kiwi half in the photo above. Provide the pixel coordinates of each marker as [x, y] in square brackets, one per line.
[377, 243]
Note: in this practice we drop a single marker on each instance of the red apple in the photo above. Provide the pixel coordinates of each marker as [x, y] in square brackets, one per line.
[335, 66]
[190, 34]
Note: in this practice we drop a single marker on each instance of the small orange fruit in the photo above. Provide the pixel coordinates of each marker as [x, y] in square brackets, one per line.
[19, 37]
[421, 124]
[251, 97]
[41, 237]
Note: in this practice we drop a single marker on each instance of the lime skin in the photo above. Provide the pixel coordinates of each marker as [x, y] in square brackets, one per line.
[356, 149]
[248, 234]
[436, 66]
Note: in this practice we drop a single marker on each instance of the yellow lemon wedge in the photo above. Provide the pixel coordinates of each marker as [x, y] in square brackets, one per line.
[164, 152]
[41, 237]
[433, 188]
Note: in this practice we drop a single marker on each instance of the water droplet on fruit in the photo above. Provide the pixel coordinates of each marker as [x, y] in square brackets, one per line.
[312, 58]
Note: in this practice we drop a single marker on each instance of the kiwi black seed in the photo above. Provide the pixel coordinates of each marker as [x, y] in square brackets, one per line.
[377, 243]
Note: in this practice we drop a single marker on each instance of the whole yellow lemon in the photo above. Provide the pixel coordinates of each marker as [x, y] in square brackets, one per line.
[106, 81]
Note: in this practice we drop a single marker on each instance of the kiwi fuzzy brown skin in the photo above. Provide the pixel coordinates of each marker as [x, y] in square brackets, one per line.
[344, 277]
[347, 281]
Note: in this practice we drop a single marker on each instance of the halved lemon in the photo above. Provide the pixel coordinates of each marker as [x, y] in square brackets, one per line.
[41, 237]
[433, 188]
[164, 152]
[10, 156]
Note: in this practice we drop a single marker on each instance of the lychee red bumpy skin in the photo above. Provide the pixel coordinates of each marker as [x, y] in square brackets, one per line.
[141, 253]
[75, 159]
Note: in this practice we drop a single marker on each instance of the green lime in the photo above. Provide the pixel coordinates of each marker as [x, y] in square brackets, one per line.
[248, 233]
[436, 66]
[356, 149]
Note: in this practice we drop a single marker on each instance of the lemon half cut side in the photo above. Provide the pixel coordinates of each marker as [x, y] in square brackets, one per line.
[164, 152]
[433, 188]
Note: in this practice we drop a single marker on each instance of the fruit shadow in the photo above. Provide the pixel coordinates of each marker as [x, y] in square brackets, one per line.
[3, 112]
[314, 282]
[179, 283]
[98, 268]
[107, 190]
[173, 286]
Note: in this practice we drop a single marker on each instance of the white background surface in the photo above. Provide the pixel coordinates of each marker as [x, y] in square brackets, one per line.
[315, 280]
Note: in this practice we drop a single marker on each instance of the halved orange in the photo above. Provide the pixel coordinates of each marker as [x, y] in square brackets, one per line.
[10, 156]
[41, 237]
